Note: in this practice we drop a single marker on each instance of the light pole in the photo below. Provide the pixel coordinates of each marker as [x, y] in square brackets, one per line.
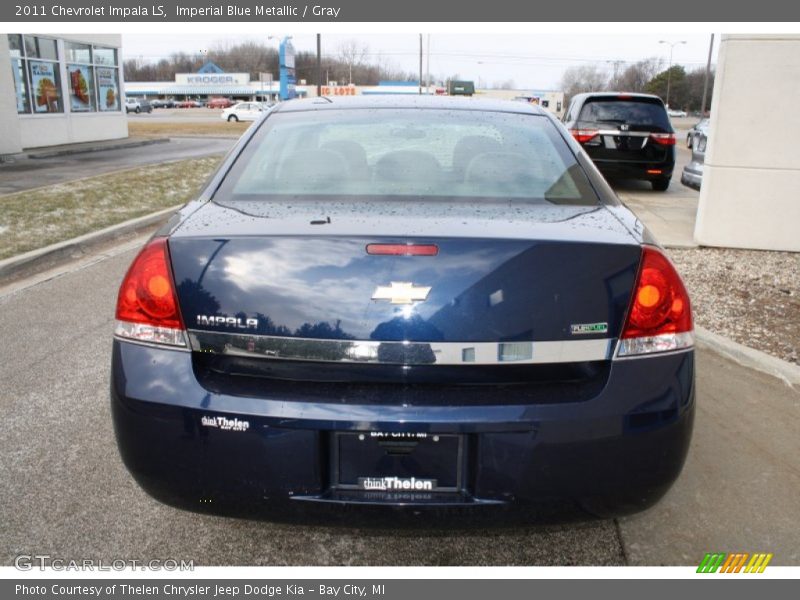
[669, 70]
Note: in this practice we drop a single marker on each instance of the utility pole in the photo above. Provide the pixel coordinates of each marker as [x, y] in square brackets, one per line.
[420, 64]
[669, 70]
[428, 66]
[616, 64]
[319, 65]
[708, 76]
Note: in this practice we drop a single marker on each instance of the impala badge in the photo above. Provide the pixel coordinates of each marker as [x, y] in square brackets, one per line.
[401, 292]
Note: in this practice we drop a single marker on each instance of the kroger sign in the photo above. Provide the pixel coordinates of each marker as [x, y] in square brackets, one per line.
[212, 78]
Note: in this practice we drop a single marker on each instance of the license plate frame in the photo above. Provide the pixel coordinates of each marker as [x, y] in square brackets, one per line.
[404, 452]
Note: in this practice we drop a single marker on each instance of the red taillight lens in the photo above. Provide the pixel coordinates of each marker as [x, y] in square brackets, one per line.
[147, 305]
[664, 139]
[403, 249]
[660, 314]
[583, 135]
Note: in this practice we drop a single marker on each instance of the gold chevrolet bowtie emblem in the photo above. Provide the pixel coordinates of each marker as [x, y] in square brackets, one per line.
[401, 292]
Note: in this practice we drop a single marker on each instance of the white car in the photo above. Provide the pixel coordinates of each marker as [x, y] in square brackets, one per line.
[243, 111]
[672, 112]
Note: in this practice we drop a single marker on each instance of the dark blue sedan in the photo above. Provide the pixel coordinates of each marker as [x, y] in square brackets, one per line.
[425, 302]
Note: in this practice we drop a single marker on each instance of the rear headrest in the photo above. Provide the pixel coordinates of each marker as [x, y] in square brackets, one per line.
[312, 166]
[506, 170]
[413, 166]
[469, 147]
[352, 152]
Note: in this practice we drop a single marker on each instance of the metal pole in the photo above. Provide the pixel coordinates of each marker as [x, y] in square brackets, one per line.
[669, 74]
[420, 64]
[708, 76]
[428, 67]
[319, 65]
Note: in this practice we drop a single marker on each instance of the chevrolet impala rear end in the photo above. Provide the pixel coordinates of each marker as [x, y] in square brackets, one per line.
[405, 303]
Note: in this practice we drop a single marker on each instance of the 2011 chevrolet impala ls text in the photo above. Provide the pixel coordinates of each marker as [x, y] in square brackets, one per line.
[424, 302]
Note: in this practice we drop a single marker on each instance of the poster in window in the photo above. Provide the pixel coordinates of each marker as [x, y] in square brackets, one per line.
[81, 98]
[44, 85]
[107, 88]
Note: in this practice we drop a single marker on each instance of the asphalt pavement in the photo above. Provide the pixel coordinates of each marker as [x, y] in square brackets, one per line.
[670, 215]
[66, 493]
[27, 173]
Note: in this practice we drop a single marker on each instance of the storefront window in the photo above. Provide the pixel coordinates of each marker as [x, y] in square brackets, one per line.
[45, 86]
[15, 45]
[105, 56]
[107, 88]
[18, 70]
[36, 47]
[79, 53]
[92, 76]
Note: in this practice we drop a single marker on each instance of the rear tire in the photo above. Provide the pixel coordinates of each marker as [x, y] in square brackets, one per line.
[660, 185]
[138, 110]
[233, 119]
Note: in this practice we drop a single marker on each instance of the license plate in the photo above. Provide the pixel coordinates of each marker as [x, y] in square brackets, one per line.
[398, 462]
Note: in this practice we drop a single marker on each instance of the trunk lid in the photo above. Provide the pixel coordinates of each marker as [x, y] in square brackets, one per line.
[268, 271]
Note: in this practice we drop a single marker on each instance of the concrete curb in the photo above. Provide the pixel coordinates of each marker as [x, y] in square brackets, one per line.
[37, 260]
[749, 357]
[97, 148]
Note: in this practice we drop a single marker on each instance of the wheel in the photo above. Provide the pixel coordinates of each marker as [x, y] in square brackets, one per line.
[660, 185]
[138, 110]
[232, 118]
[689, 142]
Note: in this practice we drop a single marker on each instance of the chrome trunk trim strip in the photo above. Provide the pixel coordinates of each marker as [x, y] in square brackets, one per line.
[403, 353]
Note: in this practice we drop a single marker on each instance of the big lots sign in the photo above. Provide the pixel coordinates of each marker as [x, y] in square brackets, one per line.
[338, 90]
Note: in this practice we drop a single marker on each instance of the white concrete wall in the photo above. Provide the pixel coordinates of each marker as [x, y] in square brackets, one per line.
[750, 197]
[10, 142]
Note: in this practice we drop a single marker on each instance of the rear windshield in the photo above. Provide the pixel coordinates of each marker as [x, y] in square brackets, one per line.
[421, 153]
[633, 112]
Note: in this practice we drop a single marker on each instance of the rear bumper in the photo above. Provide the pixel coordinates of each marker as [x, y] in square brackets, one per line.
[616, 453]
[635, 170]
[692, 175]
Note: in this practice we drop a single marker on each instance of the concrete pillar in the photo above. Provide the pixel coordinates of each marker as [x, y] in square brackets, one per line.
[750, 196]
[10, 137]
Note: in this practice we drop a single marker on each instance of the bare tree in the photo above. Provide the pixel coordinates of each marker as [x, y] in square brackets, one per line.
[636, 76]
[351, 55]
[583, 78]
[508, 84]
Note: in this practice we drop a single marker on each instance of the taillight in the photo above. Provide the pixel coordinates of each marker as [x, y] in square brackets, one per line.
[583, 135]
[147, 305]
[664, 139]
[660, 315]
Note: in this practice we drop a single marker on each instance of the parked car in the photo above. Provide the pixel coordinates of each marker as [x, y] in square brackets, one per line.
[188, 104]
[243, 111]
[137, 106]
[700, 127]
[628, 136]
[675, 112]
[158, 103]
[692, 175]
[220, 103]
[404, 302]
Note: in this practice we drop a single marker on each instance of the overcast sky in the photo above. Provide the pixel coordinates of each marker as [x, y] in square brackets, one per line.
[531, 61]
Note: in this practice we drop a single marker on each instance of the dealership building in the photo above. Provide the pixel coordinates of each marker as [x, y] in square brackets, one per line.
[59, 89]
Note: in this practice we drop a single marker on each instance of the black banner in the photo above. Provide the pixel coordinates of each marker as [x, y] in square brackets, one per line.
[388, 589]
[406, 11]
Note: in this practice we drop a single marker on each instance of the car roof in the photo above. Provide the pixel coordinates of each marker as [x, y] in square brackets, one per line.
[631, 95]
[409, 101]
